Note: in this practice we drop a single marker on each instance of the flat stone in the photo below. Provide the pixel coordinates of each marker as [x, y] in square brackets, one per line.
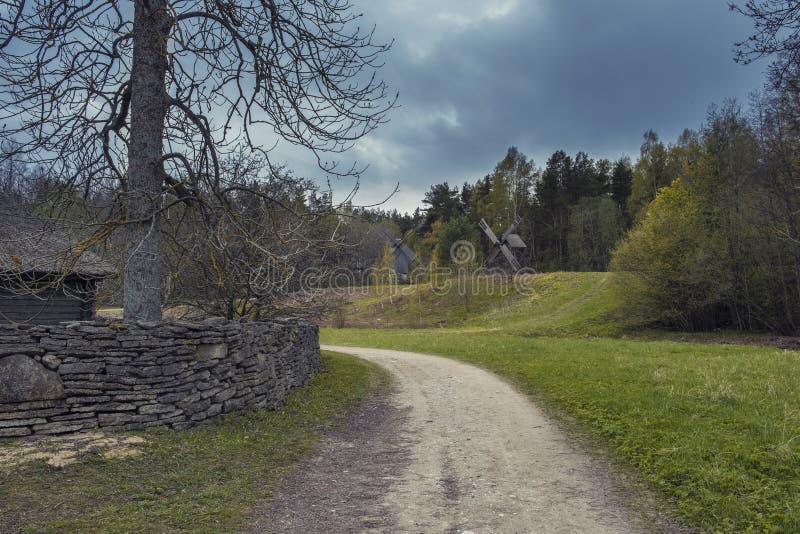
[215, 351]
[31, 350]
[115, 407]
[234, 404]
[15, 432]
[149, 409]
[64, 427]
[173, 369]
[80, 368]
[88, 400]
[33, 405]
[31, 414]
[123, 397]
[21, 422]
[200, 416]
[144, 372]
[172, 398]
[22, 379]
[74, 416]
[210, 392]
[225, 395]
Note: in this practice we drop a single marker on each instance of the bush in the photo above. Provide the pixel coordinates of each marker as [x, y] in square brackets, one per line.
[671, 267]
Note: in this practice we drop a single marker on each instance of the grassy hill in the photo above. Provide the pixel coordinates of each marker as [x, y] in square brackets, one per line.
[559, 304]
[552, 304]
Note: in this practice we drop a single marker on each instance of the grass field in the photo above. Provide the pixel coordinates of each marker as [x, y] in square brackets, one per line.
[715, 428]
[201, 480]
[553, 304]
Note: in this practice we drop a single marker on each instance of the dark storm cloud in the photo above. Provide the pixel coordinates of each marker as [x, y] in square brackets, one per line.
[476, 77]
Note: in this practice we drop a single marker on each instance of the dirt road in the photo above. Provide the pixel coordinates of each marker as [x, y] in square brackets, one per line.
[452, 449]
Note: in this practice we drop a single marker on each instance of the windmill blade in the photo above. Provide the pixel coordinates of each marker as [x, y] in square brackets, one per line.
[407, 252]
[492, 255]
[515, 241]
[393, 241]
[406, 236]
[410, 233]
[510, 257]
[385, 234]
[488, 231]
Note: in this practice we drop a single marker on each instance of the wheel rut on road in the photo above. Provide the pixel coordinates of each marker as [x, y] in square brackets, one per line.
[451, 448]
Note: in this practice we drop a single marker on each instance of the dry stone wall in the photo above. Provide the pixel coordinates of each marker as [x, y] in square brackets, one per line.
[101, 374]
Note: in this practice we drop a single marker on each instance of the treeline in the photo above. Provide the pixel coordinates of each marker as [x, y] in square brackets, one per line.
[570, 214]
[716, 242]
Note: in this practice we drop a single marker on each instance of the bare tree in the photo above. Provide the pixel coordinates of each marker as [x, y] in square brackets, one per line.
[143, 101]
[776, 34]
[251, 258]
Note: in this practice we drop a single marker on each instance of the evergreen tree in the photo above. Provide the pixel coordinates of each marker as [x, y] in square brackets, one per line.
[443, 204]
[621, 180]
[552, 209]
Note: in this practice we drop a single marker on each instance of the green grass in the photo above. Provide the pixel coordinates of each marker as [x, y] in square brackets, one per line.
[417, 305]
[555, 303]
[201, 480]
[563, 304]
[559, 304]
[716, 428]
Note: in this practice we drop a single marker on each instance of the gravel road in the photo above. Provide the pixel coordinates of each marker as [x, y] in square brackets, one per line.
[452, 448]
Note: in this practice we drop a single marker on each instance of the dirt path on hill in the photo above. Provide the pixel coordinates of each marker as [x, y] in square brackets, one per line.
[453, 448]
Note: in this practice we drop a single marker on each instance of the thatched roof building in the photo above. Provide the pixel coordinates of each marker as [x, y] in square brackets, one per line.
[46, 275]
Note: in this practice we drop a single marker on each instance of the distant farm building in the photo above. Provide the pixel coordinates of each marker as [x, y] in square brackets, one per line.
[44, 277]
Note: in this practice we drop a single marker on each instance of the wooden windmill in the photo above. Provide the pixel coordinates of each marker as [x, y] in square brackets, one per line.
[505, 245]
[403, 256]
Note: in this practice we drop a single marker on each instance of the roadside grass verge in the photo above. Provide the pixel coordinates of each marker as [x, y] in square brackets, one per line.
[716, 428]
[200, 480]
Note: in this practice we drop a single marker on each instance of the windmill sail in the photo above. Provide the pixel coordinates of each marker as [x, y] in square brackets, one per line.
[510, 257]
[508, 241]
[488, 231]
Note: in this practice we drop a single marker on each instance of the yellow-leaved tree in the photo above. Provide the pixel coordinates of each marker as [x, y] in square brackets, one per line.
[668, 268]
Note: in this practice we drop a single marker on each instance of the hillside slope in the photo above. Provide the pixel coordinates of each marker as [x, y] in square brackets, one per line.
[562, 303]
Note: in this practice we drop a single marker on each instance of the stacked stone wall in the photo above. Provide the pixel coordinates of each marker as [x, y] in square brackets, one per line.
[72, 377]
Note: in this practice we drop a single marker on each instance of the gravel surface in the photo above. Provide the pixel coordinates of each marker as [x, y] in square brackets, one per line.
[453, 448]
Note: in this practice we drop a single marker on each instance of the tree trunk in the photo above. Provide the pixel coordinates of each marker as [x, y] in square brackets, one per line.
[144, 265]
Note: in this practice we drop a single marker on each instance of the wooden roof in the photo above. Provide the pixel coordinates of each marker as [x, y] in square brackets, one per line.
[31, 244]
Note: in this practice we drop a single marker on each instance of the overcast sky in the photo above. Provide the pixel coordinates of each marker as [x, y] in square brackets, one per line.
[477, 76]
